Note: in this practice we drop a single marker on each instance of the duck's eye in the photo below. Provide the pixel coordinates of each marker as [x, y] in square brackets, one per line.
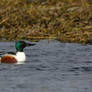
[23, 44]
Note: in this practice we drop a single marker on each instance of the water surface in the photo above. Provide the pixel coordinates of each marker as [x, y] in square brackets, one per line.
[51, 66]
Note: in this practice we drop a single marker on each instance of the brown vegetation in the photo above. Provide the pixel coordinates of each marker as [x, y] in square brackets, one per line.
[65, 20]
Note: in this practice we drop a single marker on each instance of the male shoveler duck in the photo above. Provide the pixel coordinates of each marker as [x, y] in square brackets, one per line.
[19, 57]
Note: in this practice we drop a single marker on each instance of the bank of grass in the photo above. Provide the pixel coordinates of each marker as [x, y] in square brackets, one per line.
[64, 20]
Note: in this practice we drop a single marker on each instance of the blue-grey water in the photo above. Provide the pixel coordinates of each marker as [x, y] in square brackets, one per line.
[51, 66]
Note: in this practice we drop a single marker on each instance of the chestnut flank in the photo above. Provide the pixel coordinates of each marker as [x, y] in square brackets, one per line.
[8, 59]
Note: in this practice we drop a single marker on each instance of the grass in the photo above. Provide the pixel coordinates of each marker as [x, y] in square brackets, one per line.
[64, 20]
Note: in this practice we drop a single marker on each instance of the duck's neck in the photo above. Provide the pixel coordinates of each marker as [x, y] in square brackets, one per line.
[21, 58]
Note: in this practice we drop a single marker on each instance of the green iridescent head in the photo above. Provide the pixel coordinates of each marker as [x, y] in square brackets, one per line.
[20, 45]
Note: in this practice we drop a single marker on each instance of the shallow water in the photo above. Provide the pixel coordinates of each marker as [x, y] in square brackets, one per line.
[51, 66]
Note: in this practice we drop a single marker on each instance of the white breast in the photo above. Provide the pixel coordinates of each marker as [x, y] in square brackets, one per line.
[21, 58]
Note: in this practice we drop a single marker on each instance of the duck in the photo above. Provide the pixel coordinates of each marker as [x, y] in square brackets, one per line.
[19, 57]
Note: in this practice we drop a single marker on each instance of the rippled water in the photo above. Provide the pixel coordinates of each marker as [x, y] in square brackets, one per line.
[50, 67]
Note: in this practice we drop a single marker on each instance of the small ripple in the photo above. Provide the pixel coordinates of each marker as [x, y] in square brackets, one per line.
[41, 67]
[85, 69]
